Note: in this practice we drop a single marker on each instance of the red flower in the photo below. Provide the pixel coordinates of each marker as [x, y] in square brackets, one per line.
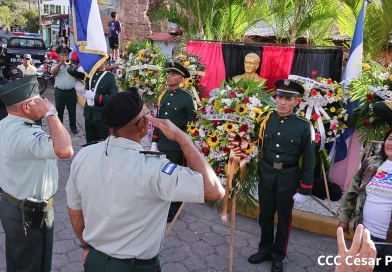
[226, 149]
[366, 122]
[314, 72]
[205, 151]
[232, 95]
[315, 116]
[215, 123]
[329, 81]
[317, 138]
[218, 170]
[228, 110]
[299, 100]
[314, 92]
[203, 109]
[330, 94]
[196, 133]
[246, 100]
[369, 96]
[333, 126]
[244, 128]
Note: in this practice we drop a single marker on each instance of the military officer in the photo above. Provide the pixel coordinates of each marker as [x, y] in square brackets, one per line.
[285, 139]
[179, 107]
[120, 224]
[99, 89]
[28, 163]
[65, 92]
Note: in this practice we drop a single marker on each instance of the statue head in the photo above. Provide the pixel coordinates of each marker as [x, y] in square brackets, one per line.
[252, 62]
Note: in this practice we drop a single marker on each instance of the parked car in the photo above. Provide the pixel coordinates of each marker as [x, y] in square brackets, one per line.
[17, 46]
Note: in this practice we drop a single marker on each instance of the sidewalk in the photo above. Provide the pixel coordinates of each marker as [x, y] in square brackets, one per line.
[198, 242]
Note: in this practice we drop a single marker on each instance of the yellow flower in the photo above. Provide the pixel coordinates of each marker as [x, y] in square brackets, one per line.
[141, 55]
[366, 67]
[332, 109]
[187, 63]
[250, 148]
[302, 114]
[258, 112]
[191, 128]
[189, 81]
[390, 77]
[213, 140]
[340, 115]
[217, 105]
[323, 118]
[228, 126]
[137, 80]
[241, 109]
[150, 71]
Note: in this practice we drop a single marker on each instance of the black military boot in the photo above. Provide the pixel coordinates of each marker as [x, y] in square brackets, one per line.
[259, 258]
[277, 266]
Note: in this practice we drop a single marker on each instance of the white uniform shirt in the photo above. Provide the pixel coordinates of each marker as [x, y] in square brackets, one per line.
[63, 80]
[28, 163]
[29, 71]
[125, 196]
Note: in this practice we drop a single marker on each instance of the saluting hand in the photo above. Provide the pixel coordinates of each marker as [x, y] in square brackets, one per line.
[41, 105]
[170, 130]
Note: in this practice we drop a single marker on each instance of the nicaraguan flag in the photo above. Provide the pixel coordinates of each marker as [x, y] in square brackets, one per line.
[89, 36]
[353, 69]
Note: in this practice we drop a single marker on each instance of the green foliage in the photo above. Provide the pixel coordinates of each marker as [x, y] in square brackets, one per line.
[32, 18]
[5, 15]
[11, 4]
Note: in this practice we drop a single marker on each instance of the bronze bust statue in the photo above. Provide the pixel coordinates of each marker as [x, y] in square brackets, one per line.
[251, 63]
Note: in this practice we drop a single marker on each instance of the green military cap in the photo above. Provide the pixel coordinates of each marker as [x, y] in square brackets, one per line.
[19, 90]
[288, 88]
[383, 110]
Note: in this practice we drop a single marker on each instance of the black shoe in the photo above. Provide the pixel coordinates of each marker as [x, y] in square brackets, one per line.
[74, 130]
[277, 266]
[170, 216]
[259, 258]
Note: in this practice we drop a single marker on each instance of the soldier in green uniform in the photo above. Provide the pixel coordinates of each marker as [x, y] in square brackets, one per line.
[28, 163]
[178, 106]
[286, 140]
[99, 89]
[65, 92]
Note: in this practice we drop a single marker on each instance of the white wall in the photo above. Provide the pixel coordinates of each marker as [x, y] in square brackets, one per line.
[63, 3]
[166, 48]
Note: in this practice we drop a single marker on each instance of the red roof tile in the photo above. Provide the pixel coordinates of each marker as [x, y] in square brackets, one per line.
[162, 36]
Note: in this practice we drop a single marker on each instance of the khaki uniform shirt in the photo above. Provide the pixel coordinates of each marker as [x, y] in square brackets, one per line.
[29, 71]
[63, 80]
[28, 163]
[125, 196]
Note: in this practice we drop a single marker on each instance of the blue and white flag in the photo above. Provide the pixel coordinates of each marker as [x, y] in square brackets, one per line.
[89, 36]
[353, 70]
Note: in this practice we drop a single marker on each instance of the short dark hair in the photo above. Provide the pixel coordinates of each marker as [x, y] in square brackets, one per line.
[113, 14]
[382, 151]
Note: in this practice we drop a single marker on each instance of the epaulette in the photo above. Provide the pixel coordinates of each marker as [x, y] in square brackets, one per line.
[188, 92]
[265, 113]
[302, 118]
[152, 153]
[91, 143]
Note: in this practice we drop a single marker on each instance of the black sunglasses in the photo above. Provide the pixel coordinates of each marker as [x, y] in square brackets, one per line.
[143, 117]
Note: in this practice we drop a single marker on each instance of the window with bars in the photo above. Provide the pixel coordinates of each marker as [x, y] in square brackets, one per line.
[52, 9]
[58, 9]
[46, 9]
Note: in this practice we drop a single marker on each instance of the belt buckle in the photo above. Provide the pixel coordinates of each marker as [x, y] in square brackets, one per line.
[278, 165]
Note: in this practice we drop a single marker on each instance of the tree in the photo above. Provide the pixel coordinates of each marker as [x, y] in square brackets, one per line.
[5, 15]
[11, 4]
[32, 18]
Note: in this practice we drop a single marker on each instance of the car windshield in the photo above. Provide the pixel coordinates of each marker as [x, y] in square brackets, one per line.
[26, 43]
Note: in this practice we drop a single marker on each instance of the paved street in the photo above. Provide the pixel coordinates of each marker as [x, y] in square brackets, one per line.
[198, 242]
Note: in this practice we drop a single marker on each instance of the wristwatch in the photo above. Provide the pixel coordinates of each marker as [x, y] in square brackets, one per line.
[51, 113]
[84, 246]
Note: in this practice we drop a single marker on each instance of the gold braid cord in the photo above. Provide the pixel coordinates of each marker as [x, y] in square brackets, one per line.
[160, 98]
[389, 104]
[263, 126]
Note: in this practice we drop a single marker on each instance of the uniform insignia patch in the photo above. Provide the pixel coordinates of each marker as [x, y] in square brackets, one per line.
[287, 82]
[38, 133]
[169, 168]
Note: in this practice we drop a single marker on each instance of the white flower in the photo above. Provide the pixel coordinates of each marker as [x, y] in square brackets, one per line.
[150, 93]
[202, 133]
[385, 88]
[370, 106]
[384, 76]
[154, 81]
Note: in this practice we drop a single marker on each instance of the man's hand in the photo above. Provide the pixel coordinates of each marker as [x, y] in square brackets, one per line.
[170, 130]
[41, 105]
[300, 198]
[345, 227]
[89, 94]
[362, 248]
[84, 256]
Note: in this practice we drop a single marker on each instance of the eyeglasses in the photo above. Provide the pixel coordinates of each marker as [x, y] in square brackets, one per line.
[142, 118]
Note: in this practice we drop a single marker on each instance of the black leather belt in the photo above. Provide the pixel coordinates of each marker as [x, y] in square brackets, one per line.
[65, 90]
[133, 261]
[279, 165]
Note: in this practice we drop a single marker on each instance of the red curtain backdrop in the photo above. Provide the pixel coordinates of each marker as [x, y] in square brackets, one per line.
[212, 57]
[276, 64]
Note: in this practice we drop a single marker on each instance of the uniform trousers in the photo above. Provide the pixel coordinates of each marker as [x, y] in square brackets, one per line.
[66, 98]
[96, 130]
[271, 201]
[97, 261]
[34, 251]
[176, 157]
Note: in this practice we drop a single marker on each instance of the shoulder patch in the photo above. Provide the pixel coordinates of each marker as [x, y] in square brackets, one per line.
[169, 168]
[302, 118]
[38, 133]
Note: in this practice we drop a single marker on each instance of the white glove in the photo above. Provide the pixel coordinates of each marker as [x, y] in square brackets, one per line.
[80, 69]
[89, 94]
[154, 147]
[300, 198]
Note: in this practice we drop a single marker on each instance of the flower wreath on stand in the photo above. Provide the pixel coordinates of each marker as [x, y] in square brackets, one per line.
[145, 70]
[324, 104]
[372, 86]
[226, 133]
[196, 69]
